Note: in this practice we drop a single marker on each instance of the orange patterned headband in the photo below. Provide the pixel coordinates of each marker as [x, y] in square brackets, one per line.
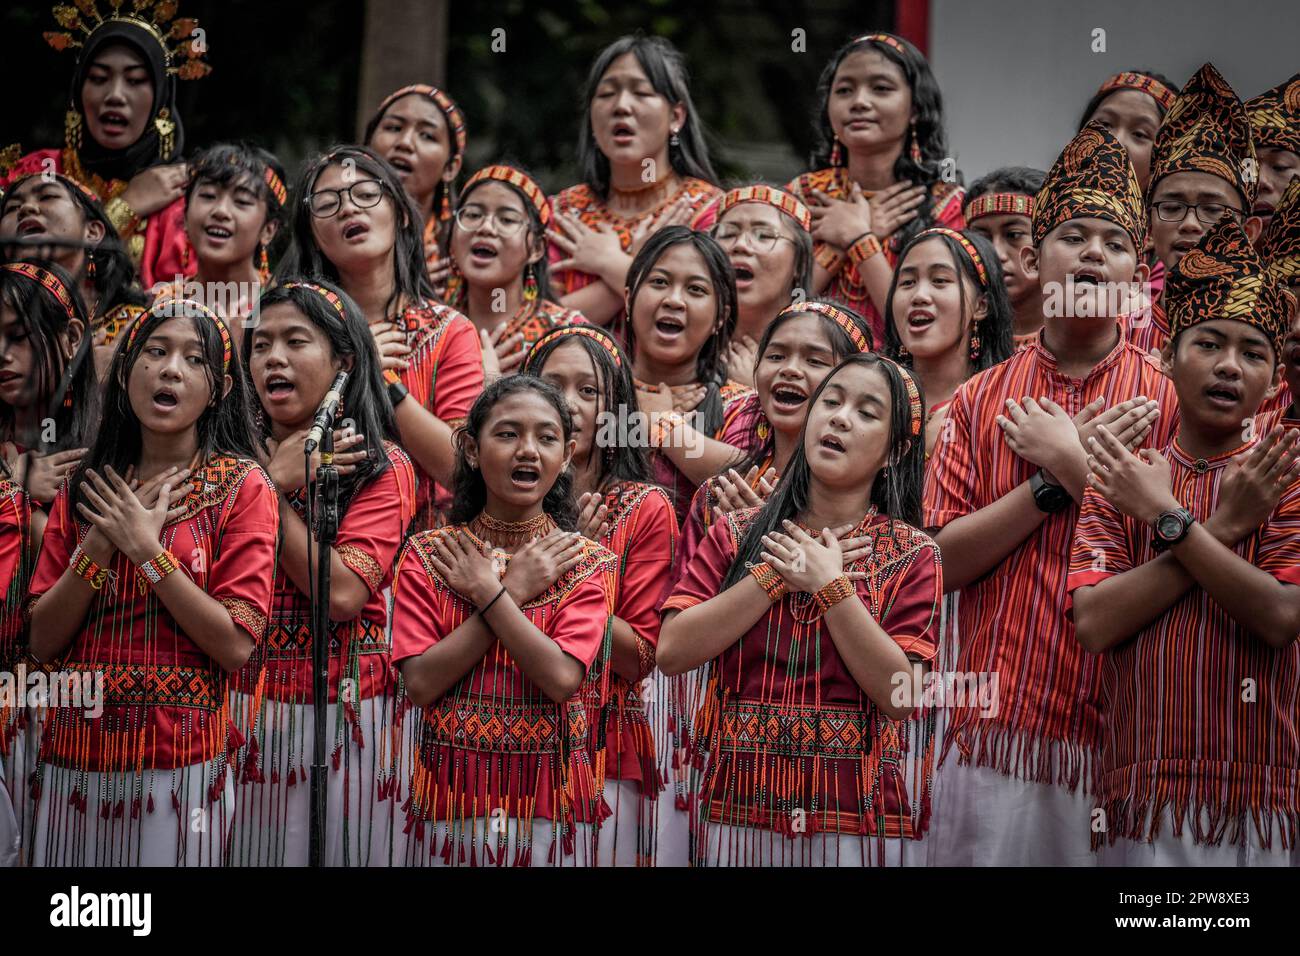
[967, 246]
[1142, 83]
[886, 38]
[47, 280]
[861, 340]
[916, 412]
[783, 201]
[455, 118]
[516, 178]
[993, 204]
[190, 309]
[587, 331]
[323, 292]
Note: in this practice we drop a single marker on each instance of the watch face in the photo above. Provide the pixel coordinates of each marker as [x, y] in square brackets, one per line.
[1169, 526]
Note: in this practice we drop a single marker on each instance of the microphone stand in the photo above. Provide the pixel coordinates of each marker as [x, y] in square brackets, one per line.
[323, 529]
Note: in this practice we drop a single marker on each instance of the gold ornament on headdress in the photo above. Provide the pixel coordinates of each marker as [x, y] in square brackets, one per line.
[181, 55]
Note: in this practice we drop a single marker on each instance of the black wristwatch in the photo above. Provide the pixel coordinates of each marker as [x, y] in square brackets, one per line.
[1049, 497]
[396, 392]
[1170, 528]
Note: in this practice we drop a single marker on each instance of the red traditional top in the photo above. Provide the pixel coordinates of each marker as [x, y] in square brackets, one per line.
[643, 536]
[15, 533]
[679, 487]
[158, 244]
[1012, 621]
[786, 725]
[369, 536]
[165, 700]
[1152, 335]
[495, 740]
[1200, 716]
[593, 212]
[947, 198]
[533, 323]
[445, 375]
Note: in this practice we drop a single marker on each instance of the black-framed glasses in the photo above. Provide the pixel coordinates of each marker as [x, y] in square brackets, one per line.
[762, 238]
[1175, 210]
[507, 222]
[364, 194]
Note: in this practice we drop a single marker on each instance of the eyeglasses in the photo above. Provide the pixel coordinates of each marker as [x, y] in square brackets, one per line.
[506, 221]
[1173, 210]
[325, 203]
[762, 238]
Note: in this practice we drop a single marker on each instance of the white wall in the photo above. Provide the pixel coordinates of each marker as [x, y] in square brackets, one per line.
[1016, 74]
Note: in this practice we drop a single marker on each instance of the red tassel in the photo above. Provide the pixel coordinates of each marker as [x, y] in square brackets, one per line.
[473, 854]
[234, 739]
[461, 857]
[103, 811]
[681, 803]
[527, 858]
[410, 822]
[135, 809]
[447, 851]
[119, 809]
[568, 843]
[275, 776]
[337, 758]
[176, 802]
[419, 832]
[148, 804]
[676, 761]
[293, 776]
[36, 786]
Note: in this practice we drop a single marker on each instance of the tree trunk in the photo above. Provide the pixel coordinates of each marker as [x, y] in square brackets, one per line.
[405, 42]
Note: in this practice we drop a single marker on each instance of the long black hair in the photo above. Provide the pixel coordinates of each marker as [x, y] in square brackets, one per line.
[619, 461]
[224, 427]
[895, 490]
[927, 133]
[711, 363]
[114, 280]
[803, 242]
[536, 237]
[1024, 180]
[842, 347]
[994, 330]
[1100, 95]
[665, 67]
[366, 401]
[304, 257]
[470, 490]
[241, 164]
[58, 378]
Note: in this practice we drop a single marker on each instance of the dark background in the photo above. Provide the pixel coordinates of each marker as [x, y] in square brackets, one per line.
[286, 75]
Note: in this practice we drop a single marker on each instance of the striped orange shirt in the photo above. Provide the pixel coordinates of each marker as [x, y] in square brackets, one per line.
[1012, 621]
[1199, 716]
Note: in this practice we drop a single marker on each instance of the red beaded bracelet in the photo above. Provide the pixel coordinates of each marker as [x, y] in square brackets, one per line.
[833, 592]
[84, 567]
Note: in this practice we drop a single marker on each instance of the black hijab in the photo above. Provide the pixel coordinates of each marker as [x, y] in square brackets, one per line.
[144, 152]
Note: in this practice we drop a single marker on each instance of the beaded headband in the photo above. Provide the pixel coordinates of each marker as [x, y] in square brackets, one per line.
[455, 118]
[48, 280]
[516, 178]
[1143, 84]
[992, 204]
[861, 340]
[916, 412]
[967, 246]
[321, 291]
[274, 184]
[586, 331]
[886, 38]
[190, 308]
[783, 201]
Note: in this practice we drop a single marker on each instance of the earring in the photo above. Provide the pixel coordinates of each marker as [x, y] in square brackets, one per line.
[673, 141]
[67, 397]
[837, 153]
[975, 346]
[916, 147]
[903, 354]
[90, 266]
[166, 133]
[530, 285]
[444, 209]
[72, 130]
[263, 265]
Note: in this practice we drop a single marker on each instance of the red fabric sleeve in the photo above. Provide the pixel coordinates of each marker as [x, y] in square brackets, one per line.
[694, 528]
[1101, 547]
[372, 528]
[11, 538]
[649, 561]
[912, 612]
[951, 214]
[458, 371]
[1279, 542]
[57, 544]
[702, 578]
[951, 479]
[167, 251]
[418, 609]
[579, 623]
[242, 573]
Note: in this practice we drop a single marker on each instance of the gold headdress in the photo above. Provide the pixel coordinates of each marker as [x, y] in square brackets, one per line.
[182, 49]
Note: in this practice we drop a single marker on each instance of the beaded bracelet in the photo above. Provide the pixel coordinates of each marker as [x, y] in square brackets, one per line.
[773, 584]
[645, 656]
[863, 248]
[391, 376]
[158, 567]
[828, 258]
[833, 593]
[84, 567]
[666, 423]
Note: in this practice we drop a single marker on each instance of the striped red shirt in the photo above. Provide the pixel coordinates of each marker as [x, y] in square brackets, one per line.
[1012, 621]
[1199, 716]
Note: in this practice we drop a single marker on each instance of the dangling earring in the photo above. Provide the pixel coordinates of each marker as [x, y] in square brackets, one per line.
[263, 266]
[904, 356]
[975, 346]
[67, 396]
[90, 266]
[916, 147]
[444, 208]
[530, 284]
[72, 130]
[673, 141]
[166, 133]
[837, 154]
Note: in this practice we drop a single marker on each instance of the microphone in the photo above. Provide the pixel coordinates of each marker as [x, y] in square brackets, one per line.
[324, 419]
